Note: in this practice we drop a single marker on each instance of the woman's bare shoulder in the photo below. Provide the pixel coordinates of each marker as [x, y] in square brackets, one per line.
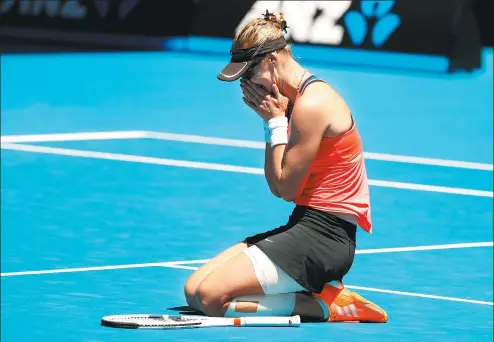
[324, 102]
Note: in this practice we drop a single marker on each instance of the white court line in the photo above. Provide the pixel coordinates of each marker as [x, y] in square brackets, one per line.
[177, 265]
[421, 295]
[227, 142]
[383, 250]
[37, 138]
[84, 269]
[430, 188]
[224, 167]
[428, 161]
[131, 158]
[206, 140]
[181, 264]
[425, 248]
[189, 262]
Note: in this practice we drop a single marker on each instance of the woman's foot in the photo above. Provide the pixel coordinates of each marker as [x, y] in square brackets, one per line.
[347, 306]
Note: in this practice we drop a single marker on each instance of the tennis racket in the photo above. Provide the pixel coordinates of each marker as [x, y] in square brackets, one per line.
[185, 321]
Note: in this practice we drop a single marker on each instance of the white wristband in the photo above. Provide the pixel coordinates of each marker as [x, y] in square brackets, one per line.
[279, 130]
[267, 132]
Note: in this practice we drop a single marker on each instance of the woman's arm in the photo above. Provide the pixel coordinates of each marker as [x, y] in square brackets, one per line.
[287, 161]
[291, 162]
[268, 170]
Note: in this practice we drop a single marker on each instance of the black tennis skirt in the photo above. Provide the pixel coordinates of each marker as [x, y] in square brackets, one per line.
[314, 247]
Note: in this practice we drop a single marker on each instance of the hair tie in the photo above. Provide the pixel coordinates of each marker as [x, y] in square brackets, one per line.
[284, 26]
[267, 15]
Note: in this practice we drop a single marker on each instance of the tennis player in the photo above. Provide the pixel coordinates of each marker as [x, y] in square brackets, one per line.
[314, 159]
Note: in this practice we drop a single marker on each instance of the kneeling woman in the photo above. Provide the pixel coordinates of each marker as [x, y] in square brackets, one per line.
[314, 159]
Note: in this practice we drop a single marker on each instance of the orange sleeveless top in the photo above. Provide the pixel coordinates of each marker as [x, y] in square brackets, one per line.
[337, 180]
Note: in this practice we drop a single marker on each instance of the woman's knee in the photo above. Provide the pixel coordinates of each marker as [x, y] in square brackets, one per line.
[199, 293]
[190, 293]
[211, 298]
[190, 289]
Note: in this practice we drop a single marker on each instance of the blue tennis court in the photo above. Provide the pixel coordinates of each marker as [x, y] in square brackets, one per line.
[117, 182]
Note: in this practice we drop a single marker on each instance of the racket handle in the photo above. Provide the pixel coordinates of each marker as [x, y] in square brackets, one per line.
[267, 321]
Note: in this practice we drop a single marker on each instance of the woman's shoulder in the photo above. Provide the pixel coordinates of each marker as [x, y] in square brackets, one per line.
[316, 90]
[318, 95]
[324, 101]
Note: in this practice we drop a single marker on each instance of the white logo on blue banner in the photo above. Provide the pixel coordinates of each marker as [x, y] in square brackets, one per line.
[316, 21]
[309, 21]
[380, 11]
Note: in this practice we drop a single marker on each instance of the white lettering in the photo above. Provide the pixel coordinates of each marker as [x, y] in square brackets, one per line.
[304, 25]
[298, 15]
[325, 30]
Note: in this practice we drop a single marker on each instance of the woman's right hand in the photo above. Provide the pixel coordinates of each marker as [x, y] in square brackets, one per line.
[254, 96]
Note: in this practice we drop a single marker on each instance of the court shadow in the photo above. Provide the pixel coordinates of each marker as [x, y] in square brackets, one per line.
[186, 310]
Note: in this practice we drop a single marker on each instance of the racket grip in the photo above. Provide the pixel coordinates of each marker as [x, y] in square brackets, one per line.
[267, 321]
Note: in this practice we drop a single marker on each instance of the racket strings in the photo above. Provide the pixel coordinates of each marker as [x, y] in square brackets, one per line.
[154, 321]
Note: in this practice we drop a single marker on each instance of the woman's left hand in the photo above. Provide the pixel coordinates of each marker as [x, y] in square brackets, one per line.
[266, 105]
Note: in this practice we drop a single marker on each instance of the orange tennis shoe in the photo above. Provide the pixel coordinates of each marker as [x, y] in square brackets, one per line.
[347, 306]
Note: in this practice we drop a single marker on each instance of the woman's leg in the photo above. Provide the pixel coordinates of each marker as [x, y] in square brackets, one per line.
[241, 284]
[198, 276]
[250, 284]
[233, 278]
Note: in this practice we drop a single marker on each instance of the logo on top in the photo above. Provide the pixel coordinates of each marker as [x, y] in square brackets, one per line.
[330, 22]
[374, 19]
